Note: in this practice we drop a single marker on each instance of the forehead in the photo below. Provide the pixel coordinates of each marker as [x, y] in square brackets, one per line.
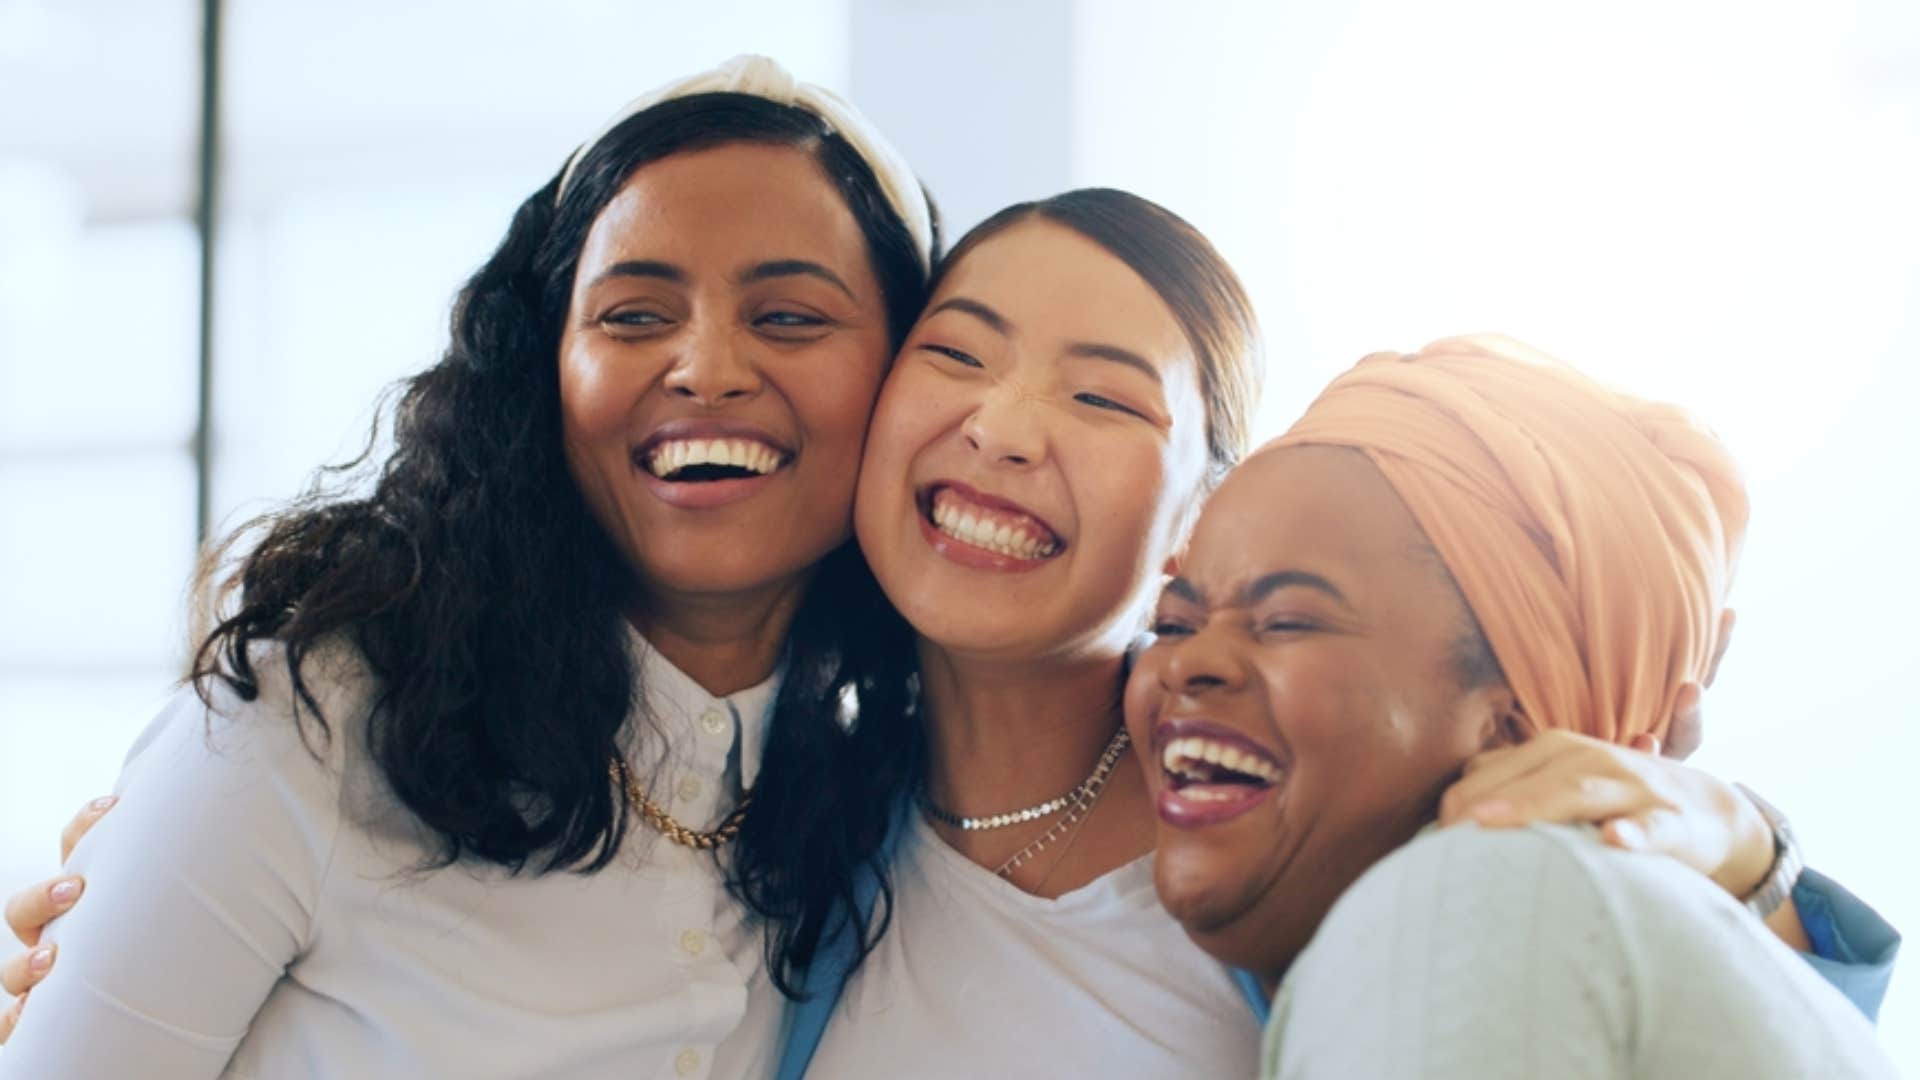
[728, 204]
[1327, 510]
[1055, 285]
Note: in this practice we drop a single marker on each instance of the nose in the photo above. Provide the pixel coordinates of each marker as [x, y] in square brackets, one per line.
[714, 367]
[1204, 661]
[1006, 428]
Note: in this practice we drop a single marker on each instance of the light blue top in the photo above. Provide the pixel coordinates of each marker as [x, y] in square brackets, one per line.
[1510, 954]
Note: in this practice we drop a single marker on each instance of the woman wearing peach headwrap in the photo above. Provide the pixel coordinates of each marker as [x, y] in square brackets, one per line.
[1454, 550]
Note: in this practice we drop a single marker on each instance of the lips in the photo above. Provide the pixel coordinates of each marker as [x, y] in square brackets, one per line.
[984, 531]
[1211, 774]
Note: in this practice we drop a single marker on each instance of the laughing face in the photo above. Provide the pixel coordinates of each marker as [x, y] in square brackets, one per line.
[1035, 452]
[1300, 712]
[725, 342]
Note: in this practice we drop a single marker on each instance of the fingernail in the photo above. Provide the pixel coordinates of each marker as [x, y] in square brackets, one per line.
[1628, 834]
[41, 960]
[1492, 811]
[64, 892]
[103, 803]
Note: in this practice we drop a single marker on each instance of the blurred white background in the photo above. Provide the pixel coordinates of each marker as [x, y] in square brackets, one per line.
[1707, 201]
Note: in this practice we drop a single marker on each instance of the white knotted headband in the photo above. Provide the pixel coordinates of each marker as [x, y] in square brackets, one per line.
[761, 77]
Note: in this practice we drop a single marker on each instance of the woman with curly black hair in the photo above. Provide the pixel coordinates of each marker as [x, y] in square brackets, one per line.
[390, 829]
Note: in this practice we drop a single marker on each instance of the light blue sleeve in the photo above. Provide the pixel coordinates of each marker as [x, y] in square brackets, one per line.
[1853, 947]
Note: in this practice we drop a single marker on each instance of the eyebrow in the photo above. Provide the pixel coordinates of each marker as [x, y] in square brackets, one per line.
[994, 320]
[1095, 351]
[766, 271]
[779, 268]
[642, 268]
[1260, 588]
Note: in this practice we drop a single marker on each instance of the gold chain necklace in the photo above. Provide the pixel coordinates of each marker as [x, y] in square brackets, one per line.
[1085, 796]
[664, 823]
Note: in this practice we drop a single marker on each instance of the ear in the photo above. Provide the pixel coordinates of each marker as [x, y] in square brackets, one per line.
[1504, 720]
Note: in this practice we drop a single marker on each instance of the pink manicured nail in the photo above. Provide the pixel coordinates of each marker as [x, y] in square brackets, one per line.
[41, 960]
[103, 803]
[64, 892]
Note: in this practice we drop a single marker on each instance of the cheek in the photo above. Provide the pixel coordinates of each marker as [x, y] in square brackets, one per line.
[1141, 702]
[842, 409]
[595, 397]
[1333, 715]
[906, 417]
[1123, 496]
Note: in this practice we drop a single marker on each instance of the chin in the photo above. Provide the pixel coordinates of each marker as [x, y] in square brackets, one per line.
[709, 572]
[955, 633]
[1205, 890]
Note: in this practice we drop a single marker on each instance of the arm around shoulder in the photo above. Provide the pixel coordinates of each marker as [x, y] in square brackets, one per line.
[202, 886]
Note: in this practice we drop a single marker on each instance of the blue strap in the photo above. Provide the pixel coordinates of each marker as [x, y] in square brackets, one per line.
[826, 978]
[1256, 996]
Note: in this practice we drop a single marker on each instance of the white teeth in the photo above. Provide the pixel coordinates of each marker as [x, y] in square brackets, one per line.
[676, 454]
[1184, 756]
[1015, 539]
[1170, 756]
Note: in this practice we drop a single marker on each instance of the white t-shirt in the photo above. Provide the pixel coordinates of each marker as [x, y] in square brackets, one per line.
[254, 912]
[978, 979]
[1536, 952]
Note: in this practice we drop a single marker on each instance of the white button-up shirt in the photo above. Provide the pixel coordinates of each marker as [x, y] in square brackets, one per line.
[254, 911]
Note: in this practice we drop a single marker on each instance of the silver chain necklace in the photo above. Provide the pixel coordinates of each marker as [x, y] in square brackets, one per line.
[1081, 793]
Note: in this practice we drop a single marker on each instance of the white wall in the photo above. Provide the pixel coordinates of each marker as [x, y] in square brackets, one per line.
[1709, 202]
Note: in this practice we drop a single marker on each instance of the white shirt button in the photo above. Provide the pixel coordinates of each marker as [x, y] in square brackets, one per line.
[687, 1062]
[690, 788]
[694, 942]
[714, 721]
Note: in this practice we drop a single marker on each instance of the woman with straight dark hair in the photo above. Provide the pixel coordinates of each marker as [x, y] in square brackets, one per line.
[445, 793]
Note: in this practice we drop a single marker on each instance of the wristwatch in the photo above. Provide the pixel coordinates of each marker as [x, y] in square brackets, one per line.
[1777, 886]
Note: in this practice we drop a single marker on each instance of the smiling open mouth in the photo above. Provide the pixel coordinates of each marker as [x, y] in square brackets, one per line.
[1212, 775]
[991, 527]
[694, 461]
[1211, 769]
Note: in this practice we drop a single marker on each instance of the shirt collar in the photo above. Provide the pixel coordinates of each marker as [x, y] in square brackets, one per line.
[674, 700]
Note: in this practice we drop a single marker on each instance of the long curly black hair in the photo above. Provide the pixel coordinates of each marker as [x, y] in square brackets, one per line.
[487, 602]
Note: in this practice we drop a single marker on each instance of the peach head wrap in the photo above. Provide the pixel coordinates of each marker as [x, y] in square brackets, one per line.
[1592, 533]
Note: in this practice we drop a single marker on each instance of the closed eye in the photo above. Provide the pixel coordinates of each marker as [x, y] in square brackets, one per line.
[1169, 628]
[789, 320]
[1107, 403]
[953, 354]
[634, 318]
